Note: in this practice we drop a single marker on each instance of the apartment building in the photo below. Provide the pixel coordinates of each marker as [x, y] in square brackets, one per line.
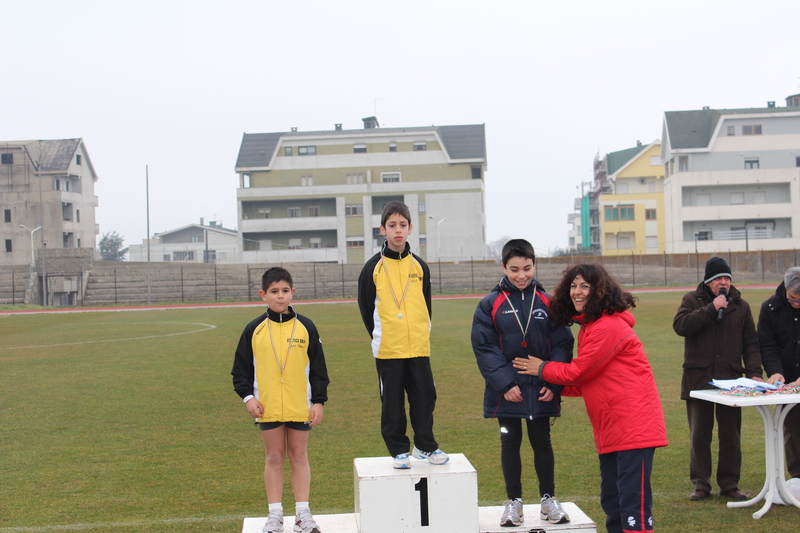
[46, 191]
[318, 196]
[732, 178]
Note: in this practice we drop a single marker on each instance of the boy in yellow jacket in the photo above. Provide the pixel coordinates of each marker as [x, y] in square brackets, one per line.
[394, 296]
[279, 372]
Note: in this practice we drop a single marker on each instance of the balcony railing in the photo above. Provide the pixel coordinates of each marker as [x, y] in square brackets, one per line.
[740, 235]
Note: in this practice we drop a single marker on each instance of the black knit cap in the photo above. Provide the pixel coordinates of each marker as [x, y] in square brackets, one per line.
[716, 267]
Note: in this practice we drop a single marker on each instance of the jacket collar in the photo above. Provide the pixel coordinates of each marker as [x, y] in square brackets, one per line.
[703, 292]
[391, 254]
[507, 286]
[281, 317]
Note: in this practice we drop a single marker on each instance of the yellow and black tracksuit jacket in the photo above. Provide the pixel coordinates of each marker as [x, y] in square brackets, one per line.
[280, 361]
[397, 332]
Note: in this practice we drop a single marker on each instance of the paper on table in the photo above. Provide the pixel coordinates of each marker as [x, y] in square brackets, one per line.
[742, 383]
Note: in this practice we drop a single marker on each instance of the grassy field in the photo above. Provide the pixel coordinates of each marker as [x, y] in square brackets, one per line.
[127, 421]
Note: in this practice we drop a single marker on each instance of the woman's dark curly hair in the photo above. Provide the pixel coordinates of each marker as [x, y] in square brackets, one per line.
[606, 295]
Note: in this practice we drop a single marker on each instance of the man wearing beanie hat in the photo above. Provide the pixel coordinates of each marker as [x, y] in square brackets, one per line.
[720, 342]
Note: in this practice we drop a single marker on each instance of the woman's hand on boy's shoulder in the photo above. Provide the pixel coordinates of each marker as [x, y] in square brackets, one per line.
[316, 414]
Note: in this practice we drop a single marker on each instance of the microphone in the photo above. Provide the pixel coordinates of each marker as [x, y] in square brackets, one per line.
[722, 292]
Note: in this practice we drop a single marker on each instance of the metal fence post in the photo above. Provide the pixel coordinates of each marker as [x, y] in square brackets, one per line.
[215, 282]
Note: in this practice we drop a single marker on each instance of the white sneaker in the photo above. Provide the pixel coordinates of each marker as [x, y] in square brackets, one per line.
[552, 511]
[402, 461]
[512, 515]
[274, 523]
[304, 522]
[437, 457]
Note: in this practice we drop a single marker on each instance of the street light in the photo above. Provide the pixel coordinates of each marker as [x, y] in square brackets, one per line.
[438, 241]
[33, 257]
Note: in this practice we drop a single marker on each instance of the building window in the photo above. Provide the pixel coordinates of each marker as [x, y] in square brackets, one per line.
[797, 161]
[737, 198]
[287, 150]
[649, 214]
[9, 249]
[355, 242]
[731, 131]
[751, 130]
[359, 148]
[294, 212]
[306, 150]
[7, 215]
[196, 238]
[246, 181]
[295, 244]
[264, 212]
[750, 164]
[353, 179]
[423, 240]
[306, 181]
[420, 146]
[166, 258]
[183, 256]
[421, 207]
[7, 159]
[315, 242]
[476, 173]
[392, 147]
[354, 210]
[683, 163]
[77, 215]
[620, 212]
[313, 210]
[704, 235]
[58, 184]
[78, 159]
[390, 177]
[66, 211]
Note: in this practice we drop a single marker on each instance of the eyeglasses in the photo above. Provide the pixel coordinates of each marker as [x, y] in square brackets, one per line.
[793, 301]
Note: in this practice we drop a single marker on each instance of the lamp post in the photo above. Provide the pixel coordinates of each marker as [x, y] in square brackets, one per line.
[33, 257]
[438, 241]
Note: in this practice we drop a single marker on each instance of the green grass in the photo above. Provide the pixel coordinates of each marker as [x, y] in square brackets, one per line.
[127, 421]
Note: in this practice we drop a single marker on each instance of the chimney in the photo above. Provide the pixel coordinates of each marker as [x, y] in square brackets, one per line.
[705, 108]
[294, 129]
[370, 123]
[201, 221]
[638, 143]
[771, 104]
[338, 127]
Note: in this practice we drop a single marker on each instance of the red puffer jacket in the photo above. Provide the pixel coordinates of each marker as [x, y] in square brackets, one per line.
[614, 377]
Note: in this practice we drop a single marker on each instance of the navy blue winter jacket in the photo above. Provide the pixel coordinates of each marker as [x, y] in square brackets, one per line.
[497, 340]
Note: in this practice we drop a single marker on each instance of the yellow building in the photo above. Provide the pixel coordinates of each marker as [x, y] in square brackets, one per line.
[632, 214]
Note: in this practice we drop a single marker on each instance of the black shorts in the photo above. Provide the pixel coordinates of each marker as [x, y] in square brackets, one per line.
[299, 426]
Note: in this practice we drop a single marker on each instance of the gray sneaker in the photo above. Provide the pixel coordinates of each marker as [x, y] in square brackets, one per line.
[552, 511]
[304, 522]
[274, 523]
[512, 514]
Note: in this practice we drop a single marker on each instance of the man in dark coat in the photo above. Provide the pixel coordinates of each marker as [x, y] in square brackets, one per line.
[779, 338]
[720, 342]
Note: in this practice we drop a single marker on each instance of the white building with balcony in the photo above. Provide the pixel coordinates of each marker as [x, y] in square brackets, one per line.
[318, 196]
[193, 243]
[732, 178]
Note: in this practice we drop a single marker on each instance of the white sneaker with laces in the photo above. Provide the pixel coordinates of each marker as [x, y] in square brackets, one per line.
[274, 523]
[437, 457]
[512, 514]
[552, 511]
[402, 462]
[304, 522]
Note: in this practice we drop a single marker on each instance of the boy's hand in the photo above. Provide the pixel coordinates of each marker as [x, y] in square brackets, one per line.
[513, 394]
[255, 408]
[316, 414]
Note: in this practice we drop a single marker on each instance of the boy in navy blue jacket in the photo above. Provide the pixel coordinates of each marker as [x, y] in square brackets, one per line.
[513, 321]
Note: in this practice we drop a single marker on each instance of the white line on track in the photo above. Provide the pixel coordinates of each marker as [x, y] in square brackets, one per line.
[111, 526]
[205, 328]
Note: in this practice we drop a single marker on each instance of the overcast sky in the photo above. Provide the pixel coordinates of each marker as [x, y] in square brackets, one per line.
[175, 84]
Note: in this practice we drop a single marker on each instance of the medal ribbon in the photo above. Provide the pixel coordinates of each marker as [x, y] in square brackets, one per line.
[405, 291]
[516, 315]
[275, 352]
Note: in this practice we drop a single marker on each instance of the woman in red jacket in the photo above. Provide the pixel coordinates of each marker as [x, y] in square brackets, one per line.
[614, 377]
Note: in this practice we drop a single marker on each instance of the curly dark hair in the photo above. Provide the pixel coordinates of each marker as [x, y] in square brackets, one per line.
[607, 297]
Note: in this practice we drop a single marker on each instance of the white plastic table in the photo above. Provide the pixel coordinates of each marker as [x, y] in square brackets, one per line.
[773, 441]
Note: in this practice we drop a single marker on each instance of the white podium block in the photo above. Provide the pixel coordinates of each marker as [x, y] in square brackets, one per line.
[423, 499]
